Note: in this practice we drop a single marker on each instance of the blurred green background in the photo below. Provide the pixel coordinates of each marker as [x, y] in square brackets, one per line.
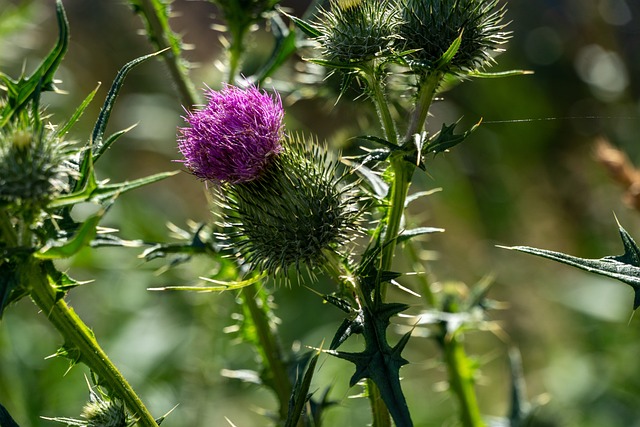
[527, 176]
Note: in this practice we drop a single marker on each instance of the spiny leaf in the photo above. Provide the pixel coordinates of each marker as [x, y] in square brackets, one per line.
[415, 196]
[76, 115]
[300, 394]
[98, 145]
[5, 418]
[306, 28]
[378, 140]
[101, 192]
[486, 75]
[220, 285]
[82, 238]
[380, 362]
[348, 327]
[625, 267]
[448, 55]
[20, 92]
[447, 138]
[408, 234]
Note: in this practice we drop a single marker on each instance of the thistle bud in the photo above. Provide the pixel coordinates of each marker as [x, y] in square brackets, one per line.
[431, 26]
[297, 213]
[357, 31]
[234, 137]
[100, 412]
[34, 166]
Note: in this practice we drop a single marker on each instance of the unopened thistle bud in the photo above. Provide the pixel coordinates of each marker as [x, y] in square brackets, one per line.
[431, 26]
[357, 31]
[294, 215]
[34, 165]
[234, 137]
[101, 412]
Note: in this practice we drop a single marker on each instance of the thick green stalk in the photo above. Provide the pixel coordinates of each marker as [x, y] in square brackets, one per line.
[428, 86]
[153, 12]
[269, 348]
[461, 381]
[379, 411]
[78, 336]
[403, 170]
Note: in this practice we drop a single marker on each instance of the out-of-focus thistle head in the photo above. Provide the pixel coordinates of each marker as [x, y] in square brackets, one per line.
[296, 214]
[35, 165]
[431, 26]
[357, 31]
[234, 137]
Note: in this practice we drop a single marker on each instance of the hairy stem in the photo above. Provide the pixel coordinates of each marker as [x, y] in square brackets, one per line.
[79, 337]
[269, 349]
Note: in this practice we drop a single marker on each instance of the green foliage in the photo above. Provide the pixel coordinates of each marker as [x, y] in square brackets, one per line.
[21, 92]
[300, 395]
[625, 267]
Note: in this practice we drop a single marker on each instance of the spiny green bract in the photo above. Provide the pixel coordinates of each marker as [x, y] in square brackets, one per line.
[295, 213]
[431, 26]
[357, 31]
[34, 165]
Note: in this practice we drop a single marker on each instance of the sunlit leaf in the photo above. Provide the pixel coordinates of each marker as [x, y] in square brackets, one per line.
[83, 236]
[625, 267]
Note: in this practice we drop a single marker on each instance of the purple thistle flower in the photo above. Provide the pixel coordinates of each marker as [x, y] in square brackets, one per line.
[234, 137]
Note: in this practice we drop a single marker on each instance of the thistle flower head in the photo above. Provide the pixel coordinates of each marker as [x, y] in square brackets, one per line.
[34, 165]
[431, 26]
[234, 137]
[356, 31]
[294, 215]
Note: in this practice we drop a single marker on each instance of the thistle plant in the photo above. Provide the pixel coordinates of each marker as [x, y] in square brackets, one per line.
[286, 207]
[290, 211]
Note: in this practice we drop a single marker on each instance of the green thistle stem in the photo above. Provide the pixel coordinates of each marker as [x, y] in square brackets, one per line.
[161, 36]
[236, 49]
[269, 349]
[80, 337]
[403, 171]
[461, 381]
[379, 411]
[380, 101]
[428, 86]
